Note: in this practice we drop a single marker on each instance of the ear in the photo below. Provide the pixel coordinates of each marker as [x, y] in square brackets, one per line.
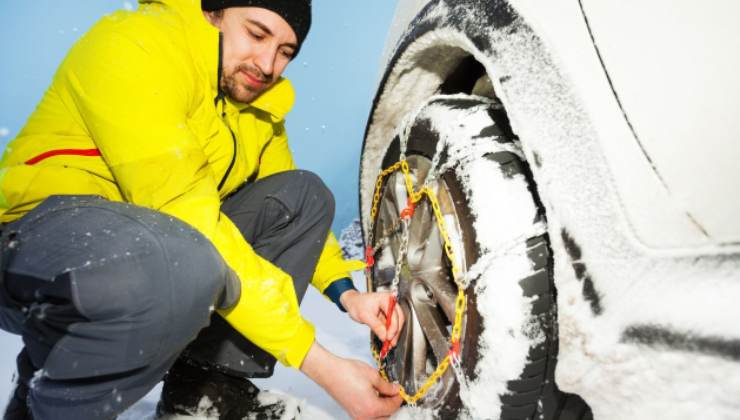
[214, 17]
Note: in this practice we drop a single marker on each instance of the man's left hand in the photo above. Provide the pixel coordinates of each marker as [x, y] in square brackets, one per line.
[371, 309]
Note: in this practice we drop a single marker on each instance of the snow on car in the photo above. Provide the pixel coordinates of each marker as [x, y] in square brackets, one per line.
[583, 159]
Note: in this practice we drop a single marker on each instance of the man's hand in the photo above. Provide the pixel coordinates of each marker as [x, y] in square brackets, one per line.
[356, 386]
[371, 309]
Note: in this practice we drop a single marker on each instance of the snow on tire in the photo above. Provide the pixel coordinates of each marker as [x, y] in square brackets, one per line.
[454, 145]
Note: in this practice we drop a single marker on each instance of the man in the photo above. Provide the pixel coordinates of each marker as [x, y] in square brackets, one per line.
[154, 184]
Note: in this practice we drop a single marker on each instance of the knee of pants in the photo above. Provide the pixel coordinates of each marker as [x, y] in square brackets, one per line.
[169, 266]
[317, 195]
[143, 314]
[145, 296]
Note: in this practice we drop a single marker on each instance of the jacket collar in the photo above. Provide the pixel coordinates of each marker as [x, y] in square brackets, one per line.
[277, 101]
[204, 40]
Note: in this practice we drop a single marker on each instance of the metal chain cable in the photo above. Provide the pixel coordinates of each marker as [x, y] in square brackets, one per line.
[414, 197]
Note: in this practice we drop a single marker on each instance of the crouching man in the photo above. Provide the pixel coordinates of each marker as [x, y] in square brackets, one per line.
[154, 185]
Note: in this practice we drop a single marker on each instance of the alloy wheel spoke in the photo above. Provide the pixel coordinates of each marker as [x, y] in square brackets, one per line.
[389, 216]
[447, 208]
[419, 168]
[408, 351]
[419, 228]
[389, 209]
[438, 281]
[418, 364]
[433, 325]
[397, 185]
[432, 254]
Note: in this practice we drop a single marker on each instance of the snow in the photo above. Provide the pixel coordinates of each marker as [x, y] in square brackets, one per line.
[338, 334]
[407, 89]
[414, 413]
[352, 242]
[292, 406]
[205, 410]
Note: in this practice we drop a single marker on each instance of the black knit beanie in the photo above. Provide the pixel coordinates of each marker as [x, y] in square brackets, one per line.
[296, 12]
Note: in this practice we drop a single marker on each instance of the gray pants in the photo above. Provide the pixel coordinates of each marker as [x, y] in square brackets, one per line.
[108, 295]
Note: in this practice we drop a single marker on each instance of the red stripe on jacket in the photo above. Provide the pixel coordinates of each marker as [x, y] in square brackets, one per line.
[51, 153]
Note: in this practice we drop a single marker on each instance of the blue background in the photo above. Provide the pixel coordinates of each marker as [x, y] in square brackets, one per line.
[335, 76]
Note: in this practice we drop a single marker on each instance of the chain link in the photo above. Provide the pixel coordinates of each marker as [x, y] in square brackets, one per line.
[414, 197]
[403, 250]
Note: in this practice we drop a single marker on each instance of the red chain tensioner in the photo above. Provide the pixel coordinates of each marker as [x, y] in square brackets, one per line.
[369, 257]
[408, 212]
[389, 318]
[454, 352]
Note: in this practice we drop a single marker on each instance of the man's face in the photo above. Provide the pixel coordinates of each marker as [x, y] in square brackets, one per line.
[257, 46]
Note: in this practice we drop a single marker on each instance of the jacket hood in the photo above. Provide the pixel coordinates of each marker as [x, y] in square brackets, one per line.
[204, 40]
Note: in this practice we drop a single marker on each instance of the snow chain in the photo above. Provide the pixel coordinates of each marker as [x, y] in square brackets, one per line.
[414, 197]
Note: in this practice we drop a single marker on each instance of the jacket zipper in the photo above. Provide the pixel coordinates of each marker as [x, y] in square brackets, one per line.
[221, 97]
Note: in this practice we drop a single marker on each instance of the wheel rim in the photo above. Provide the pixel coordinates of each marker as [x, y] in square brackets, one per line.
[426, 290]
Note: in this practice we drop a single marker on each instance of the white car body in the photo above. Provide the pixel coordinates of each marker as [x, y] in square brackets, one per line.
[626, 112]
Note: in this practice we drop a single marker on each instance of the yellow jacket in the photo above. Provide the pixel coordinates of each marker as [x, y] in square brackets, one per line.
[130, 116]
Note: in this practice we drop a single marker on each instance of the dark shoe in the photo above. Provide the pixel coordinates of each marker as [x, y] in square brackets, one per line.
[17, 408]
[194, 390]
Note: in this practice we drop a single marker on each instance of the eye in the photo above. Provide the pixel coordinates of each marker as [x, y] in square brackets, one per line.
[287, 53]
[256, 35]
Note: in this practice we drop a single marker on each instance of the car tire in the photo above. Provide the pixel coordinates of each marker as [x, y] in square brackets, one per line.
[474, 158]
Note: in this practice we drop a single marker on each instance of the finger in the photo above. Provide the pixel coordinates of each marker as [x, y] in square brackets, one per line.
[382, 295]
[388, 405]
[382, 321]
[386, 389]
[377, 326]
[381, 316]
[393, 328]
[401, 319]
[376, 381]
[384, 300]
[396, 325]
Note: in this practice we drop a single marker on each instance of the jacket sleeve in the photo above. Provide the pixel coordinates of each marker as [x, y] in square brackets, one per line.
[332, 266]
[133, 99]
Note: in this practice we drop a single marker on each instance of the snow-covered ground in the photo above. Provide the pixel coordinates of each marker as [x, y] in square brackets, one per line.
[334, 330]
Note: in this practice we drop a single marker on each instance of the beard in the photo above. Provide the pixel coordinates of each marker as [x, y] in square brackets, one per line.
[243, 92]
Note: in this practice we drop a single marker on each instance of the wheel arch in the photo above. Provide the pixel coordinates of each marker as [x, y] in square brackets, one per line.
[448, 48]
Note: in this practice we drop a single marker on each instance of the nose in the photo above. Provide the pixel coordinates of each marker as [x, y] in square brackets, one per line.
[265, 60]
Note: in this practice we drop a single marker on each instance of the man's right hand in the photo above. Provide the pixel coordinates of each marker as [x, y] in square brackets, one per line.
[371, 309]
[355, 385]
